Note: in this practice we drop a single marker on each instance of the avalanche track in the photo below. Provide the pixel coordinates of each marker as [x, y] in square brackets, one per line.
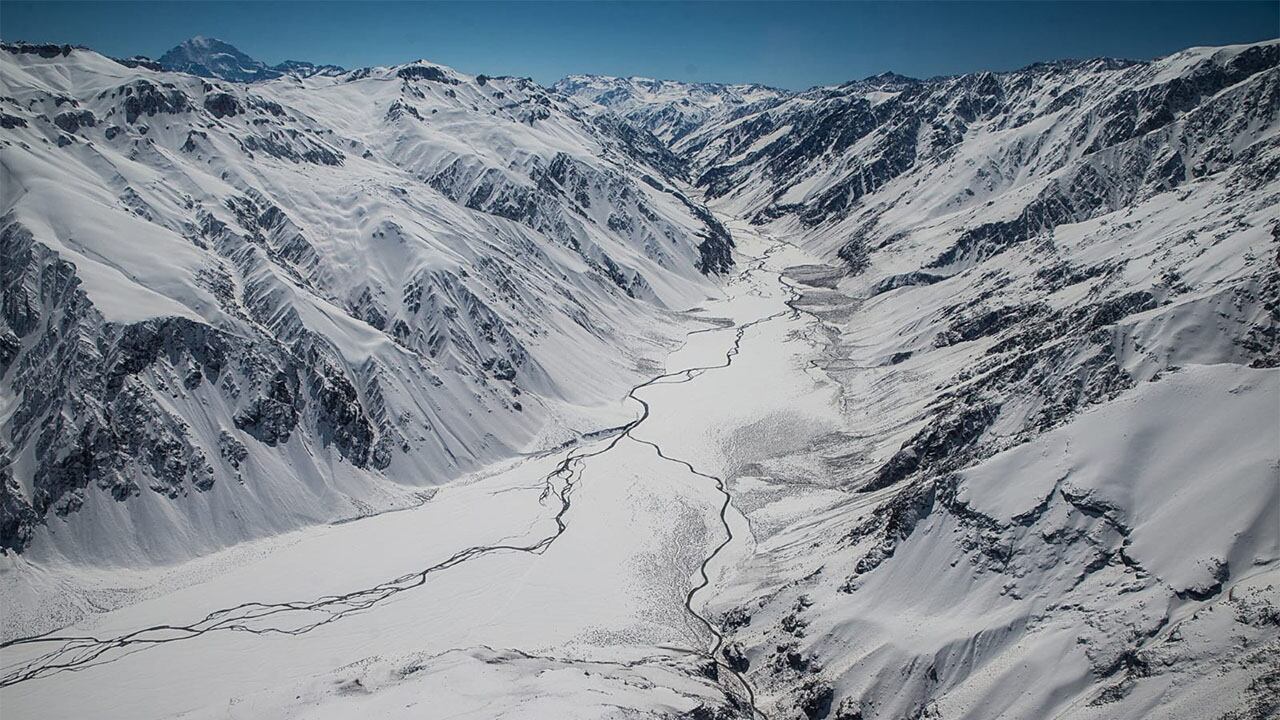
[60, 652]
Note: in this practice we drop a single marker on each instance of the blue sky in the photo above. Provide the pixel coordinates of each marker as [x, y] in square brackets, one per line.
[788, 44]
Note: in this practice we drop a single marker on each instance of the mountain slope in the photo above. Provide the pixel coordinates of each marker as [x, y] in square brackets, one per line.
[300, 300]
[829, 154]
[1052, 307]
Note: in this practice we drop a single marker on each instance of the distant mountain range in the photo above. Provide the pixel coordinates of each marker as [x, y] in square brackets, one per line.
[212, 58]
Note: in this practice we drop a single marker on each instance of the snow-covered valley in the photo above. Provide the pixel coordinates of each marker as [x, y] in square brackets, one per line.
[899, 399]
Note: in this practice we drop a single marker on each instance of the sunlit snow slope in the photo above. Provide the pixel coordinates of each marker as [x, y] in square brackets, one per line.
[230, 310]
[1052, 304]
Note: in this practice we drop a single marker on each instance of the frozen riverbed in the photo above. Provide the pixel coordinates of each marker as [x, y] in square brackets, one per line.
[584, 567]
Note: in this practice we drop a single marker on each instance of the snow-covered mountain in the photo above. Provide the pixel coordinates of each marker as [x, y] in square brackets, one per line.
[1046, 289]
[231, 310]
[212, 58]
[972, 409]
[667, 108]
[1056, 328]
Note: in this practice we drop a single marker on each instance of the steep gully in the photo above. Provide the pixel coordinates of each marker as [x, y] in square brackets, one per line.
[72, 653]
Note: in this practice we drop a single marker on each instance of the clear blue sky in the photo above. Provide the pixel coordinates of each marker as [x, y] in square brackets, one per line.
[793, 45]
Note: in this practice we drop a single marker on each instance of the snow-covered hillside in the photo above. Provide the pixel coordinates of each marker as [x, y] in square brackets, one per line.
[231, 310]
[1051, 300]
[948, 398]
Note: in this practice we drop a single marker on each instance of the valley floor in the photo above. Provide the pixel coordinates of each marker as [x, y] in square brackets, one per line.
[595, 580]
[572, 584]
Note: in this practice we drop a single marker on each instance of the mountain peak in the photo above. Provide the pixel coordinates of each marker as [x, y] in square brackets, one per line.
[210, 57]
[204, 43]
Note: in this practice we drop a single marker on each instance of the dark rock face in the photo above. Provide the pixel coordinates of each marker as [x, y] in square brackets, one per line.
[399, 109]
[282, 146]
[207, 57]
[72, 120]
[271, 417]
[891, 523]
[893, 282]
[972, 326]
[897, 153]
[644, 145]
[735, 658]
[43, 50]
[140, 61]
[715, 252]
[815, 700]
[90, 426]
[17, 518]
[426, 72]
[142, 97]
[943, 444]
[1210, 588]
[1056, 205]
[222, 104]
[340, 417]
[856, 255]
[96, 417]
[1135, 113]
[1061, 275]
[231, 449]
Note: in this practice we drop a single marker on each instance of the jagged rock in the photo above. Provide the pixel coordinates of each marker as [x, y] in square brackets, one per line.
[271, 418]
[45, 50]
[72, 120]
[231, 449]
[426, 72]
[735, 658]
[815, 700]
[943, 444]
[142, 97]
[222, 104]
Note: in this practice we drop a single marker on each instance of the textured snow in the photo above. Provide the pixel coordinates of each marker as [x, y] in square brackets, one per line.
[402, 210]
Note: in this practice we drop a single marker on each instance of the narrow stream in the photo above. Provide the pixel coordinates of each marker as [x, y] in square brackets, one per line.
[71, 653]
